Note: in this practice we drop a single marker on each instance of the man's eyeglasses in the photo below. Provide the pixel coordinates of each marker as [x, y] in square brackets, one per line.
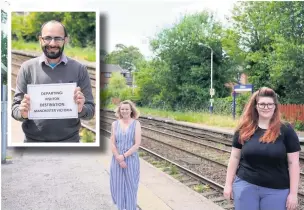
[263, 105]
[48, 39]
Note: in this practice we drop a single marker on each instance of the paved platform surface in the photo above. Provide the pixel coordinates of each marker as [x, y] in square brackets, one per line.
[158, 190]
[53, 180]
[59, 178]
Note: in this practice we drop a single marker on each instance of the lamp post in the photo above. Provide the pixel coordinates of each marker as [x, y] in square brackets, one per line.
[212, 91]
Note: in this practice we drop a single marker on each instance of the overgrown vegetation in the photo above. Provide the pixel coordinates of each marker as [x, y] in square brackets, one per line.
[81, 26]
[87, 136]
[177, 78]
[78, 53]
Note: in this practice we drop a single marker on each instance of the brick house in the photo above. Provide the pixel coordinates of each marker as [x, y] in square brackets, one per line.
[108, 69]
[243, 81]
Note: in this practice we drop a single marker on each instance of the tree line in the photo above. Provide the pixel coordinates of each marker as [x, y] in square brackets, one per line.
[81, 26]
[264, 40]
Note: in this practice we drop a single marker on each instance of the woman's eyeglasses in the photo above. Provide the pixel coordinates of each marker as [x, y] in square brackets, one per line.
[264, 105]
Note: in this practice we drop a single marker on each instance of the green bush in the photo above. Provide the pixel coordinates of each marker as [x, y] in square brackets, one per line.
[117, 84]
[87, 136]
[299, 125]
[158, 103]
[135, 97]
[118, 89]
[223, 105]
[80, 26]
[104, 98]
[125, 94]
[241, 101]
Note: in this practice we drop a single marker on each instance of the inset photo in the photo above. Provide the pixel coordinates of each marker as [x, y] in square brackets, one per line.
[53, 78]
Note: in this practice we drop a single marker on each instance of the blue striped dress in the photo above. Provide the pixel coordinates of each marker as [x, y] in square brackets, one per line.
[124, 181]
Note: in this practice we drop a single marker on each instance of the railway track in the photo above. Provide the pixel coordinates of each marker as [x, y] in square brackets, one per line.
[223, 155]
[214, 194]
[207, 187]
[211, 137]
[205, 138]
[177, 136]
[170, 143]
[208, 140]
[181, 134]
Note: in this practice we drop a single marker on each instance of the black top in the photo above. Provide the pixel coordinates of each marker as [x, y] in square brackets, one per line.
[265, 164]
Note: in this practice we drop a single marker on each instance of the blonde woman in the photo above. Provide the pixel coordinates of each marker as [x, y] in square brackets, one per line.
[125, 141]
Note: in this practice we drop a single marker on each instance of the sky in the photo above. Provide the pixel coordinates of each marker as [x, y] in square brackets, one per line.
[132, 22]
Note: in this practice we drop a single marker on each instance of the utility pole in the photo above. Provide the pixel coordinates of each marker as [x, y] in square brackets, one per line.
[212, 90]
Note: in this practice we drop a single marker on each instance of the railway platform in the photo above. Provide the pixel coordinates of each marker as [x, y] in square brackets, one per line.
[229, 130]
[51, 178]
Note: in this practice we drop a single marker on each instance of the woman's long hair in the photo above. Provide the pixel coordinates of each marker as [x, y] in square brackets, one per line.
[134, 111]
[249, 120]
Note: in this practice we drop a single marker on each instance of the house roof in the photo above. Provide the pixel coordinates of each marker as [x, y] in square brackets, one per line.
[113, 68]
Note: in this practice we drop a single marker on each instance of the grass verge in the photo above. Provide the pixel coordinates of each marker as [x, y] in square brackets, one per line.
[192, 117]
[87, 54]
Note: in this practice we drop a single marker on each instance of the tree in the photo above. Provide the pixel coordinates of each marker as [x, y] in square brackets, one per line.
[4, 48]
[117, 83]
[186, 80]
[80, 26]
[126, 57]
[148, 82]
[271, 50]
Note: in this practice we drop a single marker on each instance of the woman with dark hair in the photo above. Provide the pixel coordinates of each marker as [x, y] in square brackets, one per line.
[264, 158]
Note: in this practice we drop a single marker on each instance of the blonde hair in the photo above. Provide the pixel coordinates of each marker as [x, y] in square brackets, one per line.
[134, 111]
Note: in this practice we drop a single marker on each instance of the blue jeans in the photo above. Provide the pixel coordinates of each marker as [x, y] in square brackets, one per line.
[248, 196]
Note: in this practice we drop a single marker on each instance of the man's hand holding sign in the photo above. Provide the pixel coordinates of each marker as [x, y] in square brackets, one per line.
[79, 99]
[25, 106]
[54, 106]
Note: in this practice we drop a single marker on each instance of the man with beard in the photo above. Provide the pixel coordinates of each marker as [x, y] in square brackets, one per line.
[52, 67]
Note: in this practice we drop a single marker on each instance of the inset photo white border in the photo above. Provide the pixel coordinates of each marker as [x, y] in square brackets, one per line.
[97, 82]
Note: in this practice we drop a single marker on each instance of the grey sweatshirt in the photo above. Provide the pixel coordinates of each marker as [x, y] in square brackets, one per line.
[38, 71]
